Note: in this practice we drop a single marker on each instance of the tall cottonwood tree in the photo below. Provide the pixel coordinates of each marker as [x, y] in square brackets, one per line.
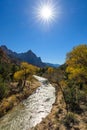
[25, 71]
[77, 64]
[77, 71]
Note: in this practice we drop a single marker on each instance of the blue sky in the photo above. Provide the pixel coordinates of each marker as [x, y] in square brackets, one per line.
[20, 31]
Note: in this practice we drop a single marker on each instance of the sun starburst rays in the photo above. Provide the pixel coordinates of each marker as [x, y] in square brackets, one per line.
[45, 12]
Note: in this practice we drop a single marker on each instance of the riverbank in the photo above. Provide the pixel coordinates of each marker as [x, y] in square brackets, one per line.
[8, 103]
[31, 111]
[54, 121]
[51, 121]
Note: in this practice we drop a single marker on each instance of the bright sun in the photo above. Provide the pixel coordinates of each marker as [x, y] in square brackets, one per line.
[46, 12]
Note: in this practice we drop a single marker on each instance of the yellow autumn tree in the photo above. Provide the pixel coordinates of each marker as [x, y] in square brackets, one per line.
[77, 64]
[50, 70]
[25, 71]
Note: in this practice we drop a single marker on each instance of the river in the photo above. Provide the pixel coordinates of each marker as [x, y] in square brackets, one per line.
[31, 111]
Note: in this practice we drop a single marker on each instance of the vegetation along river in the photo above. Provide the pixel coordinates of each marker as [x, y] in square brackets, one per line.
[31, 111]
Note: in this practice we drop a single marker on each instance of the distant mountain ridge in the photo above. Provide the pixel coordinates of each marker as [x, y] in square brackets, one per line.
[28, 56]
[3, 57]
[52, 65]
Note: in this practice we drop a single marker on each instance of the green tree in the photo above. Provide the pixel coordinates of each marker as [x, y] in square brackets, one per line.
[3, 88]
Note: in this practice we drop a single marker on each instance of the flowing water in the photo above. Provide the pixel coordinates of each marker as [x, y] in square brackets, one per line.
[31, 111]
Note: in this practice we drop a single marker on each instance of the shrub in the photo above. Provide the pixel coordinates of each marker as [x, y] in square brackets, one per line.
[3, 90]
[70, 120]
[73, 97]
